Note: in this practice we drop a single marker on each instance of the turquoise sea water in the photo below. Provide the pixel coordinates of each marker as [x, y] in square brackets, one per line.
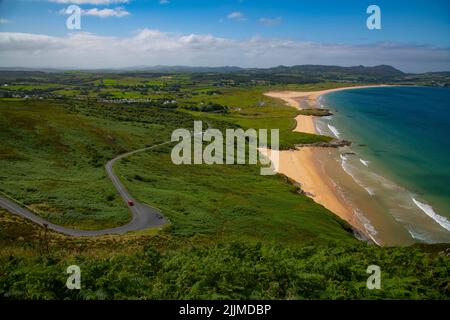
[401, 137]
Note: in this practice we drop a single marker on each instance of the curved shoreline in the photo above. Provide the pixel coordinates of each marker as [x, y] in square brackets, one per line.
[303, 164]
[306, 124]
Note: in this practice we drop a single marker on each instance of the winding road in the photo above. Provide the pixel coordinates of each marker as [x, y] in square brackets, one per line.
[142, 216]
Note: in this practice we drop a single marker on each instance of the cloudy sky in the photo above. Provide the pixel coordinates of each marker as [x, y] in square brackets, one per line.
[415, 34]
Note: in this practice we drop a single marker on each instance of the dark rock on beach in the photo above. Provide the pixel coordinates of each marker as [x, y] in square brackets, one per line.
[332, 144]
[317, 112]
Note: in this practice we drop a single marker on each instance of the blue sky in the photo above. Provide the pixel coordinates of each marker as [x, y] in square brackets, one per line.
[417, 29]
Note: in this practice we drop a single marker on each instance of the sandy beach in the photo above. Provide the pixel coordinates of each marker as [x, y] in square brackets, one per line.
[302, 165]
[306, 123]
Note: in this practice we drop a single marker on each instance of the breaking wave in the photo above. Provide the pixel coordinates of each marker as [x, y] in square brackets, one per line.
[442, 221]
[334, 131]
[364, 162]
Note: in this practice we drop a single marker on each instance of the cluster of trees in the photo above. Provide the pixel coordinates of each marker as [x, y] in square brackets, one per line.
[209, 92]
[210, 107]
[6, 94]
[28, 92]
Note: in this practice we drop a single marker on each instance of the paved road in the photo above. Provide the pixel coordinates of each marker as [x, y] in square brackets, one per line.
[143, 217]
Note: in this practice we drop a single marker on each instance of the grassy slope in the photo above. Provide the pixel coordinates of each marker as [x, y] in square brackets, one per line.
[54, 160]
[227, 202]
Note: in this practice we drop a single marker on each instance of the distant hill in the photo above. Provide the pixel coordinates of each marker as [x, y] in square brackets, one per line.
[382, 70]
[223, 69]
[317, 73]
[285, 74]
[275, 75]
[376, 71]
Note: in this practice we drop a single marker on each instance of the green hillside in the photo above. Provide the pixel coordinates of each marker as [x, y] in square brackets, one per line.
[233, 233]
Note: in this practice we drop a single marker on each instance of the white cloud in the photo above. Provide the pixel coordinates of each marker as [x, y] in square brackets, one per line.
[92, 2]
[164, 1]
[118, 12]
[271, 21]
[154, 47]
[236, 16]
[4, 21]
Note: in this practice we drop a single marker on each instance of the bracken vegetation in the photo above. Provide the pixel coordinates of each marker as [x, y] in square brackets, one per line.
[33, 266]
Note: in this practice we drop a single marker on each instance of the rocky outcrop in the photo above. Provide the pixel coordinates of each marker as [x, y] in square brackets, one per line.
[317, 112]
[335, 143]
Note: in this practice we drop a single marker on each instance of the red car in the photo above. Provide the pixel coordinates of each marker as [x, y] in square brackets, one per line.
[130, 203]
